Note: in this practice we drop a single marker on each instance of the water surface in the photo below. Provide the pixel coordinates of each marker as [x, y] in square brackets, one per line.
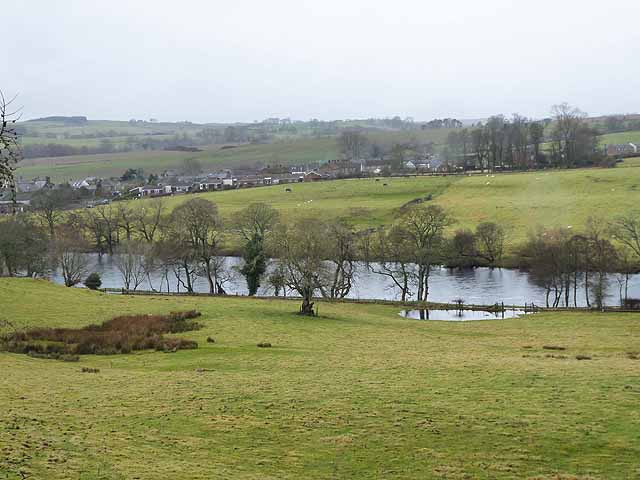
[461, 315]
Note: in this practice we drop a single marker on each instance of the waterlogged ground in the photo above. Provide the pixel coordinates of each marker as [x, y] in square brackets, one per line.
[357, 393]
[461, 315]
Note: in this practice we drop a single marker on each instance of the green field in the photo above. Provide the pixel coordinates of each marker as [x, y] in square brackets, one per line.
[300, 152]
[357, 393]
[622, 137]
[519, 201]
[283, 150]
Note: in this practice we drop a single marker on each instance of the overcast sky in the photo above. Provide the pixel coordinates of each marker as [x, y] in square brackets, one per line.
[247, 60]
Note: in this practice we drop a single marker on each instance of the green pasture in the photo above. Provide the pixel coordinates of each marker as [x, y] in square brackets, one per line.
[358, 392]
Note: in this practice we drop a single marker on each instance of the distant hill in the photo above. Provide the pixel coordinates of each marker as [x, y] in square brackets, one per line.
[78, 120]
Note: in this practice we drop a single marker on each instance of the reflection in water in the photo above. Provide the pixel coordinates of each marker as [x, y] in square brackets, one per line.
[461, 315]
[479, 286]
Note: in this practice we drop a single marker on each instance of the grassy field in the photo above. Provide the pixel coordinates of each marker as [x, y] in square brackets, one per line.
[288, 151]
[622, 137]
[300, 152]
[363, 202]
[520, 201]
[357, 393]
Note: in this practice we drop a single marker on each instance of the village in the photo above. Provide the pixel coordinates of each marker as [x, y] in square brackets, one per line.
[133, 184]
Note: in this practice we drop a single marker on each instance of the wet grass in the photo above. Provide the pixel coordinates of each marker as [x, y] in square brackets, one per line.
[357, 393]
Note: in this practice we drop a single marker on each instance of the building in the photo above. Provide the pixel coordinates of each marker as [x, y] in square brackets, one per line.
[8, 207]
[285, 178]
[622, 149]
[314, 177]
[340, 168]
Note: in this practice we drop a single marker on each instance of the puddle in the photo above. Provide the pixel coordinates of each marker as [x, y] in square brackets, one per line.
[461, 315]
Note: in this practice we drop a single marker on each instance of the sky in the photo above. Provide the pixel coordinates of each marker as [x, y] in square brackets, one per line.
[246, 60]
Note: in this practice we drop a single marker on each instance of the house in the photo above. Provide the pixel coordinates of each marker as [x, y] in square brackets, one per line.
[8, 207]
[210, 185]
[284, 178]
[148, 191]
[314, 177]
[622, 149]
[228, 183]
[30, 186]
[110, 188]
[76, 184]
[178, 188]
[410, 165]
[340, 168]
[247, 181]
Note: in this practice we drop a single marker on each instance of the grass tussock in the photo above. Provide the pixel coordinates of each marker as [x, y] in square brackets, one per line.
[122, 334]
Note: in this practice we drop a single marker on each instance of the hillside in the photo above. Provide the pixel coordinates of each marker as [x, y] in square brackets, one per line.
[358, 392]
[276, 145]
[622, 137]
[519, 201]
[214, 157]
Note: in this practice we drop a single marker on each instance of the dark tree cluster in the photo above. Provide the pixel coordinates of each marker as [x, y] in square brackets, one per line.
[516, 143]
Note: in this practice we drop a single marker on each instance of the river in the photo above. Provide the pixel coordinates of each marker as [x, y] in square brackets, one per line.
[474, 285]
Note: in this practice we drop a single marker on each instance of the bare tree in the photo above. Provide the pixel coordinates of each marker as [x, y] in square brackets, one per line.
[341, 255]
[109, 218]
[191, 166]
[536, 137]
[126, 220]
[625, 267]
[490, 242]
[68, 254]
[627, 229]
[389, 252]
[90, 222]
[130, 262]
[23, 247]
[174, 257]
[301, 249]
[480, 146]
[574, 141]
[278, 279]
[196, 226]
[149, 218]
[425, 226]
[603, 257]
[10, 152]
[352, 144]
[47, 204]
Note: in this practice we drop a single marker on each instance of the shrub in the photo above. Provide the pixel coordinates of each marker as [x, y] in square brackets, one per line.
[583, 357]
[210, 340]
[264, 345]
[122, 334]
[65, 357]
[90, 370]
[93, 281]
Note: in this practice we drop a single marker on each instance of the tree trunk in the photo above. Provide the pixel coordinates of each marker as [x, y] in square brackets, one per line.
[212, 286]
[586, 288]
[307, 308]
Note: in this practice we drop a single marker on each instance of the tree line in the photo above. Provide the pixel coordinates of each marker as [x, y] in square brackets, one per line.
[309, 256]
[567, 140]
